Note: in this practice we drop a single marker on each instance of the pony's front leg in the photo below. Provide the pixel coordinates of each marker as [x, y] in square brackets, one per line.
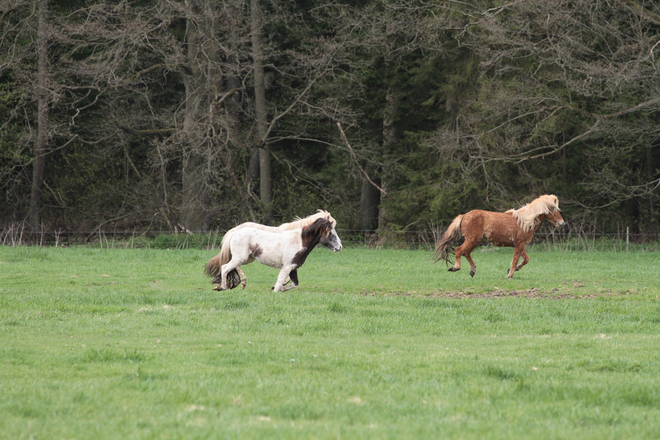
[293, 279]
[525, 260]
[518, 250]
[283, 280]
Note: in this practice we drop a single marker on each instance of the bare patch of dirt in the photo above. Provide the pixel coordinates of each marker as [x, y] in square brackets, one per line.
[533, 293]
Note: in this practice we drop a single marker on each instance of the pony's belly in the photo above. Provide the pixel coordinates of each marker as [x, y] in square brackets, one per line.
[270, 261]
[501, 239]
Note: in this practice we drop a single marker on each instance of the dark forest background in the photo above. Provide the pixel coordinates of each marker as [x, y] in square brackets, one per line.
[394, 115]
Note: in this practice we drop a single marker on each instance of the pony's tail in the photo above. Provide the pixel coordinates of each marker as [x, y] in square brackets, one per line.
[214, 266]
[444, 246]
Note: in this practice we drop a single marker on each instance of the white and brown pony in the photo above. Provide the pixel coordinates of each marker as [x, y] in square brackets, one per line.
[237, 275]
[284, 250]
[513, 228]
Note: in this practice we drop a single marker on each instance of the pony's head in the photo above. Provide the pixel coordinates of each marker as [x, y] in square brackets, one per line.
[551, 203]
[547, 205]
[554, 216]
[324, 230]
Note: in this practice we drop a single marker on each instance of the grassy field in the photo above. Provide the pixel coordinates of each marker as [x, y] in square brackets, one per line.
[134, 344]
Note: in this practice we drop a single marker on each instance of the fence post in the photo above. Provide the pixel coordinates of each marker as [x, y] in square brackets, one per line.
[627, 237]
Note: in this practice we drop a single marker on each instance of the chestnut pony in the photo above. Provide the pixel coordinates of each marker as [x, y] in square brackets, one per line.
[513, 228]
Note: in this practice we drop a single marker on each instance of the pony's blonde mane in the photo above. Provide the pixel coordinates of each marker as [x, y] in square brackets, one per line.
[527, 215]
[303, 222]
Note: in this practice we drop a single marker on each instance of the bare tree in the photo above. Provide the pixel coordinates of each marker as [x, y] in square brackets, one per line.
[265, 177]
[39, 164]
[201, 83]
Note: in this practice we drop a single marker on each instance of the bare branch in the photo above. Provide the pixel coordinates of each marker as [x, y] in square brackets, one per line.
[634, 109]
[641, 10]
[343, 135]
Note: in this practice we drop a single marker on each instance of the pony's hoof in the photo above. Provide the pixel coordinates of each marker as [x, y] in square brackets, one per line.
[472, 272]
[453, 269]
[219, 289]
[233, 280]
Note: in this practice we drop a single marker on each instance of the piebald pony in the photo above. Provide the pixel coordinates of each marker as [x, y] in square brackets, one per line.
[284, 250]
[238, 276]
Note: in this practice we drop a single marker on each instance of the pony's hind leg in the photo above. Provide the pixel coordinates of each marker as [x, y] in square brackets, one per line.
[473, 267]
[233, 279]
[233, 265]
[457, 260]
[465, 250]
[242, 277]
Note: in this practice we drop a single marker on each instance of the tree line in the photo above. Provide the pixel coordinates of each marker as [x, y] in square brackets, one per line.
[393, 115]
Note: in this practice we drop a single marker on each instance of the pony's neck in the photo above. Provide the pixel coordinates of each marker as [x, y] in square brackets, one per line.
[538, 221]
[309, 242]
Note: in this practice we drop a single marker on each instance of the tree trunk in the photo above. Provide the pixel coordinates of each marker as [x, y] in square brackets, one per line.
[34, 217]
[194, 211]
[265, 183]
[389, 137]
[194, 204]
[253, 169]
[369, 201]
[233, 106]
[649, 177]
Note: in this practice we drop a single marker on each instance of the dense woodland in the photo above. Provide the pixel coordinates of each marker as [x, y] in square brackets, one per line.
[394, 115]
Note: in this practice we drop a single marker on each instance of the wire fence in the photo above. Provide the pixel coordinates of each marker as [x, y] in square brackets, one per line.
[557, 239]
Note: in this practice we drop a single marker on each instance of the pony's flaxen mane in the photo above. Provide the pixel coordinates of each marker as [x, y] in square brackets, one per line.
[321, 226]
[527, 215]
[303, 222]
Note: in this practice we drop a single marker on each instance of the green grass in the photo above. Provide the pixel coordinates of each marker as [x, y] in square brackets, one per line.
[119, 343]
